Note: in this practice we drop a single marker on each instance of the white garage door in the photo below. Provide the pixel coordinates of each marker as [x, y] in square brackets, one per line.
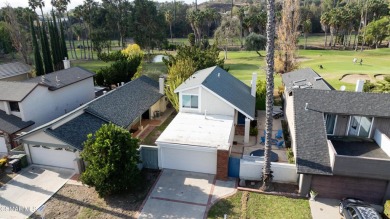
[51, 157]
[188, 158]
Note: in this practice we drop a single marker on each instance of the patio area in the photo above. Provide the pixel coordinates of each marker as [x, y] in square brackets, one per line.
[150, 124]
[254, 144]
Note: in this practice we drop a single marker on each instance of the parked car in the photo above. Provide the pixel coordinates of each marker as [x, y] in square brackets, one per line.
[353, 208]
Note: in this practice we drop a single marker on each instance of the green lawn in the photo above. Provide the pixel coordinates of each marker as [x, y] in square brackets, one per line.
[261, 206]
[243, 63]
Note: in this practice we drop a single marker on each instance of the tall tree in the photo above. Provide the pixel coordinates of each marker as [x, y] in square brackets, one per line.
[306, 26]
[37, 55]
[288, 36]
[325, 19]
[147, 22]
[267, 173]
[224, 34]
[169, 18]
[61, 7]
[46, 53]
[19, 35]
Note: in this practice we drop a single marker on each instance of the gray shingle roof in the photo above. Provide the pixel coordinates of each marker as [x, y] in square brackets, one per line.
[311, 140]
[224, 85]
[62, 78]
[76, 130]
[13, 69]
[11, 124]
[15, 91]
[126, 103]
[305, 78]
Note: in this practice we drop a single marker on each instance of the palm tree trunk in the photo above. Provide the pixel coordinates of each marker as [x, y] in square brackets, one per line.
[267, 173]
[326, 39]
[305, 41]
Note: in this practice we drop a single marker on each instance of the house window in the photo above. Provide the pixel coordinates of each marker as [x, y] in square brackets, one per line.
[190, 101]
[14, 106]
[330, 122]
[360, 126]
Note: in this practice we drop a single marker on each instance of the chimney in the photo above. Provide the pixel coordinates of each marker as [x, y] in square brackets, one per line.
[359, 86]
[66, 63]
[161, 84]
[253, 84]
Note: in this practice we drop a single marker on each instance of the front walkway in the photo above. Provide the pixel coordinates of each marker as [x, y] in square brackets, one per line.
[182, 194]
[324, 208]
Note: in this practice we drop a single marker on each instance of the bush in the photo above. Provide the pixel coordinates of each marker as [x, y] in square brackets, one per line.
[286, 134]
[3, 162]
[253, 131]
[112, 157]
[255, 42]
[290, 156]
[386, 211]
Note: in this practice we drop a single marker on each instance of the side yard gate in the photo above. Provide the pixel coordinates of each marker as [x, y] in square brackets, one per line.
[149, 156]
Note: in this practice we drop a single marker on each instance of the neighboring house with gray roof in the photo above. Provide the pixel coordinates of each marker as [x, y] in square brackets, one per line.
[211, 101]
[59, 142]
[15, 71]
[38, 100]
[340, 141]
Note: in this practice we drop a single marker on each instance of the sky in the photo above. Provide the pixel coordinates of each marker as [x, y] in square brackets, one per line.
[73, 3]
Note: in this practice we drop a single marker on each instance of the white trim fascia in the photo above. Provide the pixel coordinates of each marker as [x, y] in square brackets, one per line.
[335, 125]
[161, 144]
[230, 104]
[372, 124]
[187, 88]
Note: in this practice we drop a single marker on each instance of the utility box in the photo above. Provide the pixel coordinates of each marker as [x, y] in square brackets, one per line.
[15, 164]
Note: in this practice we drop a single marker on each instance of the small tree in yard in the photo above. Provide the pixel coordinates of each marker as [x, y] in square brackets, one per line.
[255, 42]
[112, 157]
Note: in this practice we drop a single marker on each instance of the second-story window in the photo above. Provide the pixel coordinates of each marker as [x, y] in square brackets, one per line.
[14, 106]
[190, 101]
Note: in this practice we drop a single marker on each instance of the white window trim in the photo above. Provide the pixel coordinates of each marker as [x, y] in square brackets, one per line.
[199, 94]
[349, 125]
[335, 123]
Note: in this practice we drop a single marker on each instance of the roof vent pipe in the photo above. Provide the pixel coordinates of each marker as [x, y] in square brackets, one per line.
[306, 106]
[66, 63]
[253, 84]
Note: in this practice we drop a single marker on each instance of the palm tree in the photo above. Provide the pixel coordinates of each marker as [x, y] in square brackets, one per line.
[306, 29]
[267, 173]
[169, 18]
[325, 18]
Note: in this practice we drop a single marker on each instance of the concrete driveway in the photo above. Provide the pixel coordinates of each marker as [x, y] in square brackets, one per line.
[30, 189]
[182, 194]
[325, 208]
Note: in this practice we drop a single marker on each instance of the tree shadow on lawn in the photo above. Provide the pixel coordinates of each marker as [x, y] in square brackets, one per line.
[222, 207]
[243, 66]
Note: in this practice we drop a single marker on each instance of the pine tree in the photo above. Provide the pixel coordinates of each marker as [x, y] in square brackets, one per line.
[37, 55]
[46, 51]
[57, 44]
[63, 43]
[54, 50]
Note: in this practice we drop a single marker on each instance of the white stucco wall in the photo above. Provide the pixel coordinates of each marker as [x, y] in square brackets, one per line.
[2, 106]
[42, 137]
[42, 105]
[160, 105]
[207, 101]
[289, 110]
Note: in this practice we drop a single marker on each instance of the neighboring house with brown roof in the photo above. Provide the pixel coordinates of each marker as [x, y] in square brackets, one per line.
[33, 102]
[15, 71]
[340, 139]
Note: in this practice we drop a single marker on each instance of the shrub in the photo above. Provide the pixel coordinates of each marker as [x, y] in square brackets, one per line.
[290, 156]
[3, 162]
[286, 134]
[386, 211]
[253, 131]
[112, 157]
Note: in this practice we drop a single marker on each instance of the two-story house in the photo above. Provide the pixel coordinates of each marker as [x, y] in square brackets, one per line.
[200, 137]
[340, 139]
[30, 103]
